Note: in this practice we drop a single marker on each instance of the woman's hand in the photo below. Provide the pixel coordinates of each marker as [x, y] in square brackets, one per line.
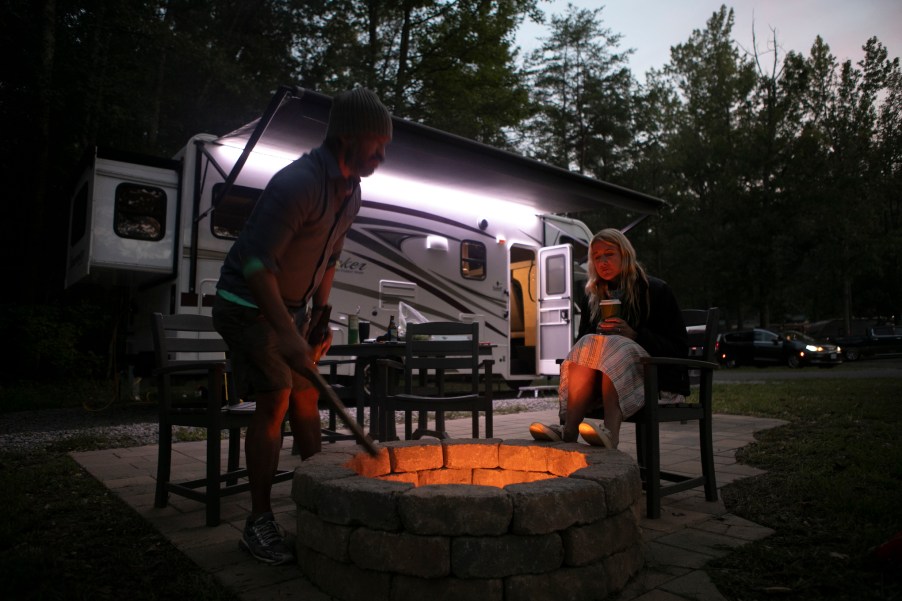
[615, 326]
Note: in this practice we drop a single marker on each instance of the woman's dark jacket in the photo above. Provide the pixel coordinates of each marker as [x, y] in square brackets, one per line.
[662, 333]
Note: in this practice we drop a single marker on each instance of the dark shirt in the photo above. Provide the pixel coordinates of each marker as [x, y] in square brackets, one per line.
[662, 333]
[296, 229]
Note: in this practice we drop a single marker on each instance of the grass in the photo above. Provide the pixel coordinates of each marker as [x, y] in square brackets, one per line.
[65, 536]
[832, 492]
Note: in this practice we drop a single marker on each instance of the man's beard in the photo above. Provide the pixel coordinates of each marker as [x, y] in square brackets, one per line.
[361, 166]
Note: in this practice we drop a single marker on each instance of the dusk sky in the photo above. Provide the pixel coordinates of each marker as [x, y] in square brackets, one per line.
[651, 27]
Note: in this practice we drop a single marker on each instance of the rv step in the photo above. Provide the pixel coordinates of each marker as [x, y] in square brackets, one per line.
[536, 390]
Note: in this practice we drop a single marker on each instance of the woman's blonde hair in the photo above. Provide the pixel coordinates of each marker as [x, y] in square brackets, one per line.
[632, 276]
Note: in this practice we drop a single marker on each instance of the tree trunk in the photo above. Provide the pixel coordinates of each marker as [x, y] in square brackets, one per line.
[847, 305]
[37, 287]
[374, 7]
[153, 127]
[403, 57]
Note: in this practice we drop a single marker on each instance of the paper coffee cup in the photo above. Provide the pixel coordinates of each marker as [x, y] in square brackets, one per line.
[610, 307]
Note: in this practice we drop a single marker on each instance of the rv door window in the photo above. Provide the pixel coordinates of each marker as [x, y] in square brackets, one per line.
[555, 275]
[232, 211]
[140, 212]
[472, 260]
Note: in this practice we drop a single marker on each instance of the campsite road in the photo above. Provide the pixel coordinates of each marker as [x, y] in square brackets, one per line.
[877, 368]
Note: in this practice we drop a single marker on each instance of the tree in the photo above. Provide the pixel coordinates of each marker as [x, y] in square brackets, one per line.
[710, 193]
[887, 183]
[450, 65]
[652, 168]
[581, 88]
[856, 176]
[463, 77]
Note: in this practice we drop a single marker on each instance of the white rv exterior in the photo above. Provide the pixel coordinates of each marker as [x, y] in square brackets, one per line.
[435, 231]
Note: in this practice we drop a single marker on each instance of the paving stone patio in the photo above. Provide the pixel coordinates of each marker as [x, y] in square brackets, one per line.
[676, 547]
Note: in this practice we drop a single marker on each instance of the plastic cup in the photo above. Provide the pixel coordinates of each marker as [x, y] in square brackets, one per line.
[364, 327]
[610, 307]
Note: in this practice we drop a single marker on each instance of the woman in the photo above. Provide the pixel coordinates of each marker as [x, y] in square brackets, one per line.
[603, 368]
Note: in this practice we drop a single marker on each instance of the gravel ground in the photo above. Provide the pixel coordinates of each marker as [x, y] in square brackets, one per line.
[136, 424]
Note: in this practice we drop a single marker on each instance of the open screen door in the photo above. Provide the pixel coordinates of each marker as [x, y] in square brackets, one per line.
[555, 335]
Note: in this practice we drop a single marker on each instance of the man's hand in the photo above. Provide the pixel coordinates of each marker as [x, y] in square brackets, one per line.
[323, 347]
[295, 349]
[318, 333]
[264, 288]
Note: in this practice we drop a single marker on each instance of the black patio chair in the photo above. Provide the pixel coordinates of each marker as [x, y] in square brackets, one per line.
[188, 346]
[433, 350]
[697, 408]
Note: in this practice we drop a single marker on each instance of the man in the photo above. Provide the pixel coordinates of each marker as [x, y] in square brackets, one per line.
[283, 259]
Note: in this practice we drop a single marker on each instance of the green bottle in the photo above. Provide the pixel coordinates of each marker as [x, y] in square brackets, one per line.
[392, 329]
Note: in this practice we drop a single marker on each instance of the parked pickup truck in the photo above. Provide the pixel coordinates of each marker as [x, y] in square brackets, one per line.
[879, 341]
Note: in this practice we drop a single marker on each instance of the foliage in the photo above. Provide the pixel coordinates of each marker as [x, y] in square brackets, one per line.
[464, 78]
[712, 83]
[777, 170]
[449, 64]
[19, 394]
[581, 90]
[54, 341]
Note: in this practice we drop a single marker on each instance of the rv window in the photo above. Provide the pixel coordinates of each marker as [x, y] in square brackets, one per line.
[472, 260]
[140, 212]
[232, 211]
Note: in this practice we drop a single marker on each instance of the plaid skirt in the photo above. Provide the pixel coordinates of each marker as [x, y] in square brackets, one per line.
[616, 356]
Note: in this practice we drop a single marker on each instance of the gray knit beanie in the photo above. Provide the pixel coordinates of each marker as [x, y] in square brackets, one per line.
[357, 112]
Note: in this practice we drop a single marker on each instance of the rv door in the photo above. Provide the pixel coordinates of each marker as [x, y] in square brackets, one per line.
[555, 274]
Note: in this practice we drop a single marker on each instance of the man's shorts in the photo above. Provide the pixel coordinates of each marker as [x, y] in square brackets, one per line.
[257, 365]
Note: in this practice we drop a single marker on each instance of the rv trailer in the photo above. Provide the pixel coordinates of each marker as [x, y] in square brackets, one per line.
[452, 228]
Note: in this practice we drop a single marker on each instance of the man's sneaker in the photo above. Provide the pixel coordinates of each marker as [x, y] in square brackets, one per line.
[264, 539]
[540, 431]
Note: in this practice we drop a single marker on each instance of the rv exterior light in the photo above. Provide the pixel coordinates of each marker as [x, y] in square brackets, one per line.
[500, 239]
[437, 243]
[461, 202]
[263, 158]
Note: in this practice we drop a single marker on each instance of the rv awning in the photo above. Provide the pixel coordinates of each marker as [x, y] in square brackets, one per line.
[426, 154]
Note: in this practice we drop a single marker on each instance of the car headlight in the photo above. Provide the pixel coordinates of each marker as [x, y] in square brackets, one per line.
[813, 349]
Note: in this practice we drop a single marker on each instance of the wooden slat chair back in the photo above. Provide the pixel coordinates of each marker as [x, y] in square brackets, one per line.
[433, 350]
[697, 408]
[346, 394]
[181, 345]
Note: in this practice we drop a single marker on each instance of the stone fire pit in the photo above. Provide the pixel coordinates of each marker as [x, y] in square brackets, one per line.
[469, 519]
